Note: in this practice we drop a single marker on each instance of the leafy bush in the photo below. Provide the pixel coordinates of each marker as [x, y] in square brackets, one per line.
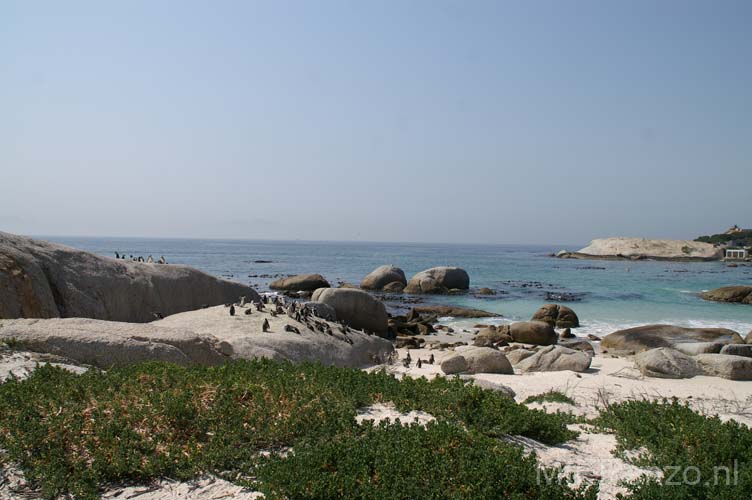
[550, 397]
[392, 462]
[74, 433]
[688, 447]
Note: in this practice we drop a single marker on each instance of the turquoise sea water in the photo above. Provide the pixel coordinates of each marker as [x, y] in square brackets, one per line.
[610, 294]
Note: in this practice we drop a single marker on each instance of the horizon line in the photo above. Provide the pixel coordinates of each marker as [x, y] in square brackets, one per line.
[282, 240]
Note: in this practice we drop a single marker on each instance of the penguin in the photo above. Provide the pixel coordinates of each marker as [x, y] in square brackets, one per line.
[431, 360]
[157, 315]
[290, 328]
[420, 363]
[248, 311]
[280, 310]
[265, 326]
[273, 313]
[297, 317]
[117, 255]
[242, 301]
[150, 260]
[259, 306]
[162, 260]
[265, 299]
[232, 310]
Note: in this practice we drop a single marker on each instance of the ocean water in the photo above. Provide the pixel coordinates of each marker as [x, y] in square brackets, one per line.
[607, 295]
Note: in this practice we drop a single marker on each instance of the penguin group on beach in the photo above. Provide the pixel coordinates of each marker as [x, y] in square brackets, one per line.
[301, 313]
[148, 260]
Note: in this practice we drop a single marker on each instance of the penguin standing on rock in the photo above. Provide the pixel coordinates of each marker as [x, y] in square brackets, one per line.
[420, 363]
[265, 326]
[431, 360]
[232, 310]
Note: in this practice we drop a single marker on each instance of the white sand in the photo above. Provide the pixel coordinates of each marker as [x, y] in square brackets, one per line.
[610, 379]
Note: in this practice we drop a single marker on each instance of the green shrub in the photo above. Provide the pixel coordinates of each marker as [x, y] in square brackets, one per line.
[393, 462]
[74, 433]
[686, 446]
[550, 397]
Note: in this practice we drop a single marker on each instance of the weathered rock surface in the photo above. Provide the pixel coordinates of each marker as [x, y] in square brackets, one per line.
[477, 360]
[557, 316]
[665, 362]
[738, 350]
[737, 294]
[393, 287]
[646, 337]
[491, 386]
[695, 348]
[725, 366]
[356, 307]
[517, 355]
[383, 276]
[533, 332]
[438, 280]
[300, 283]
[205, 336]
[454, 311]
[492, 336]
[555, 358]
[244, 333]
[45, 280]
[641, 248]
[578, 345]
[321, 310]
[108, 343]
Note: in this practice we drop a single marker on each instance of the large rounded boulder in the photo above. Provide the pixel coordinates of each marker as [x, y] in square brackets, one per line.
[555, 358]
[557, 316]
[438, 280]
[300, 283]
[533, 332]
[45, 280]
[738, 294]
[665, 362]
[646, 337]
[383, 276]
[355, 307]
[477, 360]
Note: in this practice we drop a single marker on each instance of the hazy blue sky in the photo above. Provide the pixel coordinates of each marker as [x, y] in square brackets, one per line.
[512, 122]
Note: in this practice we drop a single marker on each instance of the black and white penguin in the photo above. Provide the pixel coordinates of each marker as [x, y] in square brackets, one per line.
[232, 310]
[265, 326]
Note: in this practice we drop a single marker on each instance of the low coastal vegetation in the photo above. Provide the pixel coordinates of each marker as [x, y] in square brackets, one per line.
[699, 456]
[742, 237]
[290, 431]
[75, 434]
[551, 396]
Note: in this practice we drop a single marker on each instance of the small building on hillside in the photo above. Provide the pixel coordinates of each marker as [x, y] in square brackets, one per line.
[737, 254]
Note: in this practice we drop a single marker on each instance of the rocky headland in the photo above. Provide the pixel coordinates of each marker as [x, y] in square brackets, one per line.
[620, 248]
